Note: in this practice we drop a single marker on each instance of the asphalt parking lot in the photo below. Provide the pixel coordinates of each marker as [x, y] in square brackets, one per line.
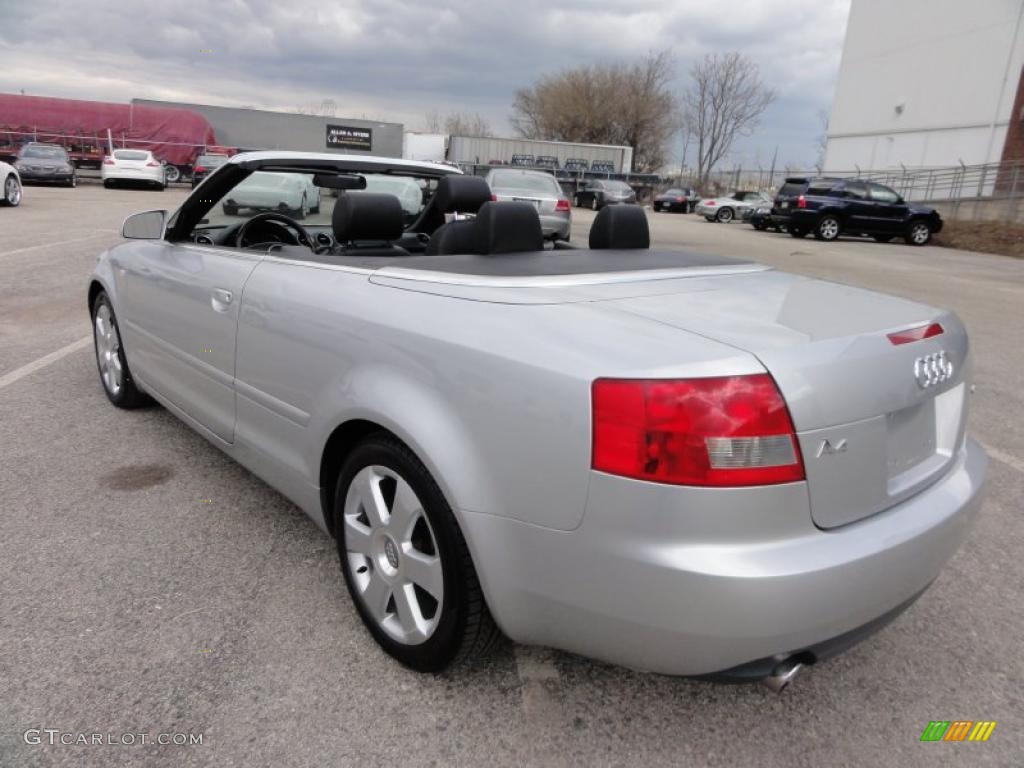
[150, 585]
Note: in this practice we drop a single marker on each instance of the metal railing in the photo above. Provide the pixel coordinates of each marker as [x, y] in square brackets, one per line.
[952, 184]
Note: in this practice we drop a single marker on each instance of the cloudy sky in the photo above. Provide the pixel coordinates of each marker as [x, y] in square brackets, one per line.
[398, 59]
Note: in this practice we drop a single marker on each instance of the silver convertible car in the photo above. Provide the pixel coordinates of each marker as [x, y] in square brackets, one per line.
[670, 461]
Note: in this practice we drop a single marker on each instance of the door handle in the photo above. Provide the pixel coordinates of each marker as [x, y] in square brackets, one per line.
[221, 299]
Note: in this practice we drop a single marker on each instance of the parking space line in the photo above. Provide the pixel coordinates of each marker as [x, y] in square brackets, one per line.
[541, 685]
[99, 233]
[45, 360]
[1011, 461]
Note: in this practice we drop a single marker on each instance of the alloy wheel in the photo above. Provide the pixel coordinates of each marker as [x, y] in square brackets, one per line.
[829, 229]
[920, 233]
[392, 555]
[108, 349]
[12, 191]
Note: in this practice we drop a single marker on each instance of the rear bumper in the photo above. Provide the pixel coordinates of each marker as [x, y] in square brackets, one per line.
[692, 581]
[555, 225]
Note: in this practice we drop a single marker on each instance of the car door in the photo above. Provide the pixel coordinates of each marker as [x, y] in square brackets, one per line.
[890, 210]
[860, 209]
[179, 311]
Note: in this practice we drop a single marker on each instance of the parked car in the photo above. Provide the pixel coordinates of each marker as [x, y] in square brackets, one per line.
[293, 193]
[725, 209]
[598, 193]
[737, 474]
[828, 208]
[132, 166]
[10, 185]
[204, 165]
[45, 163]
[408, 191]
[761, 218]
[540, 190]
[677, 199]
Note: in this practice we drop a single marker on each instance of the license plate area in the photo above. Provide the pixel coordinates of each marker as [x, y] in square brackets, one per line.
[531, 201]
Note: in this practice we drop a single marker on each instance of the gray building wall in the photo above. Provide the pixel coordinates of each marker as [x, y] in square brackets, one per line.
[261, 129]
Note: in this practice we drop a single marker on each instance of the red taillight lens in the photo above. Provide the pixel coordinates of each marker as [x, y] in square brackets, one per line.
[153, 164]
[494, 198]
[199, 169]
[709, 202]
[801, 202]
[108, 161]
[680, 199]
[562, 205]
[725, 431]
[916, 334]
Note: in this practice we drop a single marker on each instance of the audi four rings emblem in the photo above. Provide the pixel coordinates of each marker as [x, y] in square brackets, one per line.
[932, 369]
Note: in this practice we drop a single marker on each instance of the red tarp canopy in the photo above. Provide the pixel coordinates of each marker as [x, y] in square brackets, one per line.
[174, 135]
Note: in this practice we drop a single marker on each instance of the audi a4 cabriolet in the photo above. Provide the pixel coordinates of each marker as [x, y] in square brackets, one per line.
[675, 462]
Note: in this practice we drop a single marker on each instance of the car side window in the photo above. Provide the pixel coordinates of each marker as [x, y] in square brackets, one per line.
[882, 194]
[856, 189]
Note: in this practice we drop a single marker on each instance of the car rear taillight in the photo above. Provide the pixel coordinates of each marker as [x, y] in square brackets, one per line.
[680, 199]
[494, 198]
[916, 334]
[801, 202]
[109, 161]
[723, 431]
[153, 164]
[199, 169]
[709, 202]
[562, 205]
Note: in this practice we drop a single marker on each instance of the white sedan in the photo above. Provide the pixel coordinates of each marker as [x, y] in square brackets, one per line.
[10, 185]
[725, 209]
[293, 193]
[132, 165]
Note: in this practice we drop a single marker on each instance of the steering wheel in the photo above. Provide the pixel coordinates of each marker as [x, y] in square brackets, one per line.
[301, 238]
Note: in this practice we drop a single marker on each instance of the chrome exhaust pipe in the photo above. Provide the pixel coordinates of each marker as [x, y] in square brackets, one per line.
[782, 675]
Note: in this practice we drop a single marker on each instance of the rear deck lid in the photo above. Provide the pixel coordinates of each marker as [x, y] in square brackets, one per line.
[877, 421]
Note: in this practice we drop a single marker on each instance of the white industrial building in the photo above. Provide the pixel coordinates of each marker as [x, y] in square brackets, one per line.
[928, 83]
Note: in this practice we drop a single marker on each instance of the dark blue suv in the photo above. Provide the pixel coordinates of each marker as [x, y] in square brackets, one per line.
[828, 208]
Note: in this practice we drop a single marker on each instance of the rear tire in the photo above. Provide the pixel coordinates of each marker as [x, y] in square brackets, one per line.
[410, 522]
[918, 233]
[11, 192]
[171, 174]
[828, 228]
[724, 215]
[115, 376]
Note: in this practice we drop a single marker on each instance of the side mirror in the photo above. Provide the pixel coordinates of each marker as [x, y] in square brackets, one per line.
[145, 226]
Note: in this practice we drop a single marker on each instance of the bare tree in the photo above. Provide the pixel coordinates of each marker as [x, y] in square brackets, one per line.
[724, 102]
[457, 124]
[621, 104]
[326, 108]
[822, 144]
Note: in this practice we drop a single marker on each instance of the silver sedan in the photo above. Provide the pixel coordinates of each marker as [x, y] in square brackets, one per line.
[540, 190]
[661, 459]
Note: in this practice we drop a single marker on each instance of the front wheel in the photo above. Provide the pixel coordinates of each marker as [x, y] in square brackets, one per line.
[172, 174]
[919, 233]
[110, 359]
[12, 191]
[828, 228]
[725, 215]
[405, 561]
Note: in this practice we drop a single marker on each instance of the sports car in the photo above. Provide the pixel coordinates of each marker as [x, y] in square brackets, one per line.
[725, 209]
[671, 461]
[10, 185]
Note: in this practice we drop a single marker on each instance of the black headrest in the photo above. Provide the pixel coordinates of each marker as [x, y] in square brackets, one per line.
[367, 216]
[620, 226]
[464, 194]
[508, 228]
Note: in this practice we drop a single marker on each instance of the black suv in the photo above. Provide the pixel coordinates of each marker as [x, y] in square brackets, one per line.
[828, 208]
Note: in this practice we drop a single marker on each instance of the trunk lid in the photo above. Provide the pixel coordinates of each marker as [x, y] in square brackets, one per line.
[871, 432]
